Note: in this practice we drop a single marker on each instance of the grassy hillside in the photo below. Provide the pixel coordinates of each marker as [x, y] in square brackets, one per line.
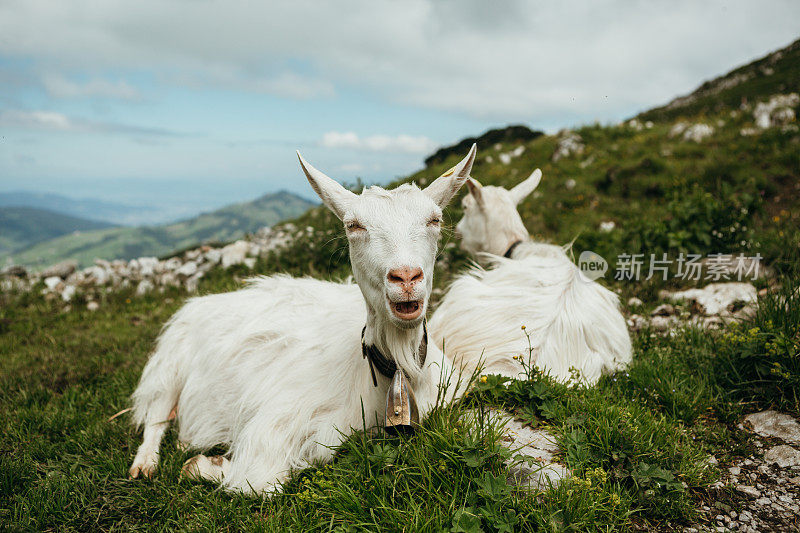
[21, 227]
[640, 444]
[223, 225]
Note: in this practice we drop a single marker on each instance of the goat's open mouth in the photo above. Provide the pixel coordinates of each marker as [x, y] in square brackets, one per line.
[407, 310]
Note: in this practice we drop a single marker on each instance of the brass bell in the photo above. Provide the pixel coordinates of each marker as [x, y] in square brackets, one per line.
[401, 405]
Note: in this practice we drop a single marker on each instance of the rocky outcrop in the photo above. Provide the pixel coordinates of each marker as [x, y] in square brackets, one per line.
[777, 111]
[147, 274]
[569, 144]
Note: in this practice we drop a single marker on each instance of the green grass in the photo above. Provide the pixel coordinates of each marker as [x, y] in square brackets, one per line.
[637, 443]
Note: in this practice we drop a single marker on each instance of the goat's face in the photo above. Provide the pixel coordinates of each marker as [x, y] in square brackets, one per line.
[393, 237]
[491, 222]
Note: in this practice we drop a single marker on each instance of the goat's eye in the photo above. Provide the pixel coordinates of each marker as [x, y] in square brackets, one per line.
[354, 226]
[434, 221]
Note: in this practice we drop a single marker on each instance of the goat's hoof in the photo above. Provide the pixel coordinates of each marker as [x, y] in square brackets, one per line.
[202, 467]
[144, 470]
[144, 464]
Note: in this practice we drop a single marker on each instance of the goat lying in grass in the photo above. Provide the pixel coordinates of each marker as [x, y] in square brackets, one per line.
[275, 370]
[570, 321]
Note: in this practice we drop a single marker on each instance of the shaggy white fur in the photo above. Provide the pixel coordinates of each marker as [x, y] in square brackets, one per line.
[275, 370]
[570, 321]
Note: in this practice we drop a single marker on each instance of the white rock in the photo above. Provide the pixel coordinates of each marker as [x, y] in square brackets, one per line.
[777, 111]
[92, 306]
[783, 456]
[774, 424]
[678, 128]
[187, 269]
[747, 490]
[169, 279]
[62, 269]
[698, 132]
[570, 144]
[96, 275]
[715, 298]
[193, 282]
[538, 444]
[147, 266]
[607, 226]
[634, 302]
[172, 264]
[234, 254]
[52, 282]
[249, 262]
[213, 256]
[144, 287]
[664, 323]
[68, 292]
[193, 255]
[570, 184]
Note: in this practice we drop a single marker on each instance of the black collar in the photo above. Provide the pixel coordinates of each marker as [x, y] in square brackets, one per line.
[511, 249]
[387, 366]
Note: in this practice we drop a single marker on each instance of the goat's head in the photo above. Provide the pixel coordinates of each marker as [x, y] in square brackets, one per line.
[491, 222]
[393, 237]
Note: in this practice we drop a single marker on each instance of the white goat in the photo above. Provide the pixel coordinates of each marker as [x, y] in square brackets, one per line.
[572, 322]
[275, 370]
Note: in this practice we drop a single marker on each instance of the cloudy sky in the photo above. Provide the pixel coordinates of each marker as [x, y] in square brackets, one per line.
[197, 103]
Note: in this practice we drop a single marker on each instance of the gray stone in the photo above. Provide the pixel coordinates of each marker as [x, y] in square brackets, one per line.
[774, 424]
[783, 456]
[664, 310]
[144, 287]
[234, 254]
[188, 269]
[747, 490]
[16, 271]
[61, 270]
[52, 282]
[716, 298]
[537, 444]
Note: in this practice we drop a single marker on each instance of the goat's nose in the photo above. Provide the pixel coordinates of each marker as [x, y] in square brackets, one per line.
[405, 276]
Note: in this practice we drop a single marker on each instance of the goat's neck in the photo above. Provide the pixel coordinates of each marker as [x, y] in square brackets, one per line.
[400, 344]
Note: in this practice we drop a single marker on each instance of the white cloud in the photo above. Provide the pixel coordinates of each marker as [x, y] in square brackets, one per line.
[378, 143]
[518, 60]
[61, 87]
[54, 121]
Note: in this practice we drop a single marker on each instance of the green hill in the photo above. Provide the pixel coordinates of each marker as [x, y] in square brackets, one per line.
[222, 225]
[21, 227]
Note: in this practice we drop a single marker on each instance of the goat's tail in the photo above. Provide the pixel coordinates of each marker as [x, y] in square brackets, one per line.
[587, 333]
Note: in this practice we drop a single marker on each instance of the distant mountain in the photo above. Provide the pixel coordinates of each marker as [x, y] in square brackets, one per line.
[86, 208]
[21, 227]
[778, 72]
[222, 225]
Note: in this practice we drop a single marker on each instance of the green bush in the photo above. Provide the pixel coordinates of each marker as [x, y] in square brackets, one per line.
[758, 361]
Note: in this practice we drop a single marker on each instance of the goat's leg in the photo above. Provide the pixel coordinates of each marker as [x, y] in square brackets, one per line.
[159, 414]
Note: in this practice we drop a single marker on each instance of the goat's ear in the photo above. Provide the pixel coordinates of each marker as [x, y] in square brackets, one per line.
[446, 186]
[523, 189]
[333, 195]
[475, 190]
